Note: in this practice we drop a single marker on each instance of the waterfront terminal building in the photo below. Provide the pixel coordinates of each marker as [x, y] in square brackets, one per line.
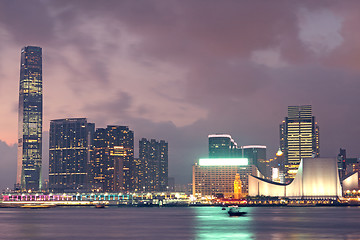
[316, 178]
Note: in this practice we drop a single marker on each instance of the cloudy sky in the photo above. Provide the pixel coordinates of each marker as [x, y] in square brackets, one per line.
[180, 70]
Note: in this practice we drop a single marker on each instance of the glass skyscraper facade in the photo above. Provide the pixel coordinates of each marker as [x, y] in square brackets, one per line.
[30, 120]
[257, 156]
[69, 154]
[222, 145]
[299, 137]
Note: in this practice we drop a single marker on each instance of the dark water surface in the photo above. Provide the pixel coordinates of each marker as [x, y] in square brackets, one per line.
[180, 223]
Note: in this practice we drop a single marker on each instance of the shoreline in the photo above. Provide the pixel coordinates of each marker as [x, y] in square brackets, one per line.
[93, 204]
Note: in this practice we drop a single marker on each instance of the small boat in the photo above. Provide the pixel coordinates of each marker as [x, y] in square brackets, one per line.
[100, 206]
[34, 206]
[8, 205]
[235, 211]
[223, 208]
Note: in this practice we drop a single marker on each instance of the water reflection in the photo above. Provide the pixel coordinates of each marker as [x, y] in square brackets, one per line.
[214, 223]
[90, 223]
[201, 223]
[276, 223]
[28, 227]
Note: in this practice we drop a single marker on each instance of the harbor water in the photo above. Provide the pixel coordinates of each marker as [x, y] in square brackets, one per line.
[180, 223]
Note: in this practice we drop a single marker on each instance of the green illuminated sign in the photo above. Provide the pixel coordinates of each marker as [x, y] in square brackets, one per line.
[223, 161]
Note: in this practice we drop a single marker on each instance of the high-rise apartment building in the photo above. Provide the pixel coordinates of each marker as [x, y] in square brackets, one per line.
[222, 146]
[69, 154]
[140, 169]
[30, 120]
[152, 170]
[112, 163]
[163, 153]
[299, 137]
[98, 177]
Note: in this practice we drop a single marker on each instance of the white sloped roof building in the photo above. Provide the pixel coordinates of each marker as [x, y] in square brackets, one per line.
[315, 178]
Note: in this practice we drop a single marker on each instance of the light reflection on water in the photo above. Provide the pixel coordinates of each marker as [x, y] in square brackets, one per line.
[214, 223]
[200, 223]
[293, 223]
[91, 223]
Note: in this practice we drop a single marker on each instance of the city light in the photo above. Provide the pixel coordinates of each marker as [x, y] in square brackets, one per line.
[223, 161]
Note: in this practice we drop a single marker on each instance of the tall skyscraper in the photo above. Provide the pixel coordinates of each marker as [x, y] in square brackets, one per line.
[112, 163]
[152, 170]
[299, 137]
[222, 145]
[30, 120]
[69, 154]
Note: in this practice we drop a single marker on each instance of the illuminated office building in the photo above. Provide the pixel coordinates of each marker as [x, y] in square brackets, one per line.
[222, 146]
[69, 154]
[112, 163]
[30, 120]
[257, 156]
[216, 176]
[152, 171]
[299, 137]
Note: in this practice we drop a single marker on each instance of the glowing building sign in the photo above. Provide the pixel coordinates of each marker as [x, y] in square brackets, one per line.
[223, 161]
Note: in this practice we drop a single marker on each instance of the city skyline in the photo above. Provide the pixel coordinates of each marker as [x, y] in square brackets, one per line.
[181, 70]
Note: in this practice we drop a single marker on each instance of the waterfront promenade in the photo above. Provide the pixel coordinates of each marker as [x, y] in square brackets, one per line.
[159, 199]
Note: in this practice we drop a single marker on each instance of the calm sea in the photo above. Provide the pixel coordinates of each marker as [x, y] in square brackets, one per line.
[180, 223]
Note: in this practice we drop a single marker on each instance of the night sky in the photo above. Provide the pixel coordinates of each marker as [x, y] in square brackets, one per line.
[180, 70]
